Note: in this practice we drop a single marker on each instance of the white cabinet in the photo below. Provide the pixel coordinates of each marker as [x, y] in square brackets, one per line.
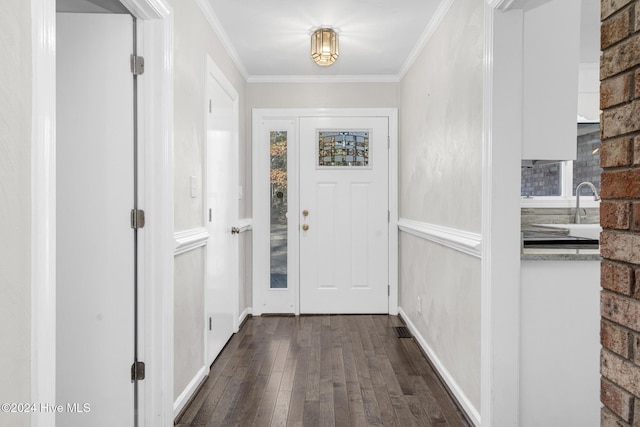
[560, 343]
[589, 92]
[551, 50]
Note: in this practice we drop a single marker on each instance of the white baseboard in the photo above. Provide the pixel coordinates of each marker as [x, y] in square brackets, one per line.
[243, 316]
[462, 398]
[189, 391]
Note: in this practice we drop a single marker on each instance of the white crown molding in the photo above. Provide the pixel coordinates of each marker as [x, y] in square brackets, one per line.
[147, 9]
[324, 79]
[188, 240]
[217, 27]
[460, 240]
[500, 4]
[432, 26]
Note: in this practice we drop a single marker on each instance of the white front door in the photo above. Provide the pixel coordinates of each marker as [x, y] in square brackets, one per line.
[95, 241]
[344, 239]
[222, 214]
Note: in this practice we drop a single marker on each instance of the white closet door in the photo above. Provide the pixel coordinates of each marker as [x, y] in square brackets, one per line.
[95, 241]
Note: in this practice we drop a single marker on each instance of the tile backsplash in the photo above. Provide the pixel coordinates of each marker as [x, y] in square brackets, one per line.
[530, 216]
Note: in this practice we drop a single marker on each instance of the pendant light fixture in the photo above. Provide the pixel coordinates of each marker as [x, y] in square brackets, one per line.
[324, 46]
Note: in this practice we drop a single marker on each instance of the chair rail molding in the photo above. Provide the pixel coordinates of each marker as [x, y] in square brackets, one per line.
[460, 240]
[188, 240]
[245, 224]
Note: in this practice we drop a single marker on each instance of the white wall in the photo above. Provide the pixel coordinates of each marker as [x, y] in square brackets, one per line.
[448, 283]
[194, 40]
[188, 339]
[322, 95]
[441, 124]
[15, 206]
[441, 184]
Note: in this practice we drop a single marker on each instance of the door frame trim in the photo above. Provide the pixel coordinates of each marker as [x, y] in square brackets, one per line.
[265, 114]
[156, 185]
[500, 264]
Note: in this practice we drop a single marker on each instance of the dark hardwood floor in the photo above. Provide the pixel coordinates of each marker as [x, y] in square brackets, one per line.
[322, 371]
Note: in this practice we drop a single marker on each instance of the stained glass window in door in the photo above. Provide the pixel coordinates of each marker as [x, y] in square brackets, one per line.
[340, 148]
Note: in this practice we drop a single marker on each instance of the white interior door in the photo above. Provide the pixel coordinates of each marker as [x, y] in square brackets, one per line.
[343, 214]
[95, 241]
[222, 216]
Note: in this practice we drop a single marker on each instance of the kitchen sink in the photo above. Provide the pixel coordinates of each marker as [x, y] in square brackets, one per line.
[557, 238]
[589, 231]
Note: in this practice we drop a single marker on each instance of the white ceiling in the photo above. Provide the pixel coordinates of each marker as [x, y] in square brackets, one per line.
[270, 39]
[378, 38]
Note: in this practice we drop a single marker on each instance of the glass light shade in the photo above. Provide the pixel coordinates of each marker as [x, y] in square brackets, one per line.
[324, 46]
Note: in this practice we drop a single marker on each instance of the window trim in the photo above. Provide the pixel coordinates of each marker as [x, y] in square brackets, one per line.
[566, 199]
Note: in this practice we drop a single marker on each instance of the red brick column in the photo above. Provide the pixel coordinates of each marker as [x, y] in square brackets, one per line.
[620, 212]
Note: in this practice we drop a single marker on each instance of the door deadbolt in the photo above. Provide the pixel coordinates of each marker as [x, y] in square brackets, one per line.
[305, 213]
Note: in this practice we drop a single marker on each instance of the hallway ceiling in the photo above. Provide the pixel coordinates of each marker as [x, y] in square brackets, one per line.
[378, 38]
[272, 37]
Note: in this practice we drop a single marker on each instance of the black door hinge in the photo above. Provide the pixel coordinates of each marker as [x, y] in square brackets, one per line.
[137, 218]
[137, 65]
[137, 371]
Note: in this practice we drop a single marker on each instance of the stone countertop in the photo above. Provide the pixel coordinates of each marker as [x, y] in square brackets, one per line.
[544, 254]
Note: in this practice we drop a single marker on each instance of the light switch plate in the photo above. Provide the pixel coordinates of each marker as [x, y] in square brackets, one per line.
[194, 186]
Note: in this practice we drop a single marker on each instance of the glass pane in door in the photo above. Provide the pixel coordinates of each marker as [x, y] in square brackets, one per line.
[278, 154]
[343, 148]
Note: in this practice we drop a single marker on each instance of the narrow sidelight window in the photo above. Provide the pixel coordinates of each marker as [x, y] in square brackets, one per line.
[278, 155]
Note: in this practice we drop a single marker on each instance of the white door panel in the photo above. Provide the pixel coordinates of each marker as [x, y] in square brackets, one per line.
[222, 202]
[95, 243]
[344, 251]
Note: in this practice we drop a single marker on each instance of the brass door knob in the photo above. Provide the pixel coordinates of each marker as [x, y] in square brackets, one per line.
[305, 227]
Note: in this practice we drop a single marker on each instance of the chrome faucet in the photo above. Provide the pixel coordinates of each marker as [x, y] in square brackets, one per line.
[577, 219]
